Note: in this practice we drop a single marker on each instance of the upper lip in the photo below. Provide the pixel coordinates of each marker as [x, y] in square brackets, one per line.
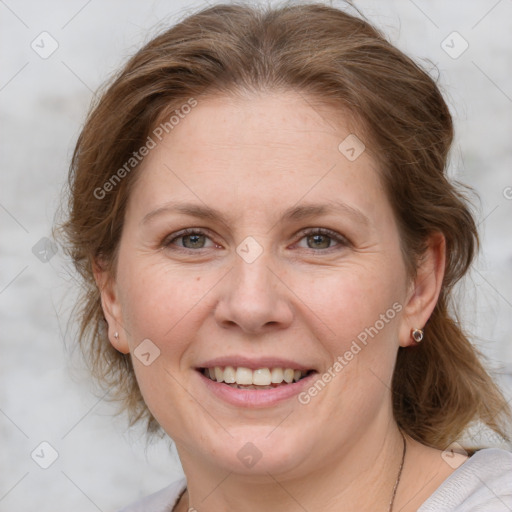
[254, 363]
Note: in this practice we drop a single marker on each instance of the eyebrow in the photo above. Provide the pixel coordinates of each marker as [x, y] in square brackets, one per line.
[294, 213]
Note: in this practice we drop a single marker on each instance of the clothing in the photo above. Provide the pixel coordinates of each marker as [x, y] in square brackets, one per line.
[482, 484]
[161, 501]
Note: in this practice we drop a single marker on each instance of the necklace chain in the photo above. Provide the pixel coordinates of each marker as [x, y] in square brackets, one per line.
[399, 474]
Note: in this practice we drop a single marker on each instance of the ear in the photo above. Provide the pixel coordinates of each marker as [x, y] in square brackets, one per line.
[111, 306]
[424, 289]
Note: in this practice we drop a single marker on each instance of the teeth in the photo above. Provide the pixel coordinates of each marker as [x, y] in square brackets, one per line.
[229, 375]
[243, 375]
[277, 375]
[288, 375]
[262, 378]
[250, 387]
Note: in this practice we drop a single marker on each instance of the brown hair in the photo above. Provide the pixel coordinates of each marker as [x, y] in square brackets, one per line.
[323, 52]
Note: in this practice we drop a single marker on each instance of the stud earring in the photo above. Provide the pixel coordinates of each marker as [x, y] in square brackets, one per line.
[417, 335]
[116, 335]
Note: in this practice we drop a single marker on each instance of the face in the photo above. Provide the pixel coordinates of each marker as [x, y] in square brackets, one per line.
[254, 250]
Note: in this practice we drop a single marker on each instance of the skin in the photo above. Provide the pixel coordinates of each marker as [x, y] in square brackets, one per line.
[303, 298]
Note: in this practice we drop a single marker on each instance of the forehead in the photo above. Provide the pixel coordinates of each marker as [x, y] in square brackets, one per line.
[279, 121]
[276, 148]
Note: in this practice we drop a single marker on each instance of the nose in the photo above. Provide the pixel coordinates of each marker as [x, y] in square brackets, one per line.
[253, 298]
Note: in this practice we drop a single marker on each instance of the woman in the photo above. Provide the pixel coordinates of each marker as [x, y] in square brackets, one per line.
[260, 210]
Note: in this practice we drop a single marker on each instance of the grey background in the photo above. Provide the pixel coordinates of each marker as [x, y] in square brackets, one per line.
[44, 393]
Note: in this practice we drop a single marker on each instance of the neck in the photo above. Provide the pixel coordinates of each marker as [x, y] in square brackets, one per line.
[360, 477]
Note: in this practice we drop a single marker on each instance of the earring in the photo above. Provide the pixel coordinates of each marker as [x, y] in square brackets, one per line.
[116, 335]
[417, 335]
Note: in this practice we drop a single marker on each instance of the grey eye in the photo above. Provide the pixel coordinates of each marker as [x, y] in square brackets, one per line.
[319, 241]
[193, 241]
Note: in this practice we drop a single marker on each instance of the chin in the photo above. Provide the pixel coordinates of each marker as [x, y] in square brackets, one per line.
[259, 451]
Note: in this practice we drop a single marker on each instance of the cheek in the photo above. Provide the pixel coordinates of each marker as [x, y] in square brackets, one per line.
[350, 299]
[158, 301]
[165, 306]
[361, 310]
[358, 310]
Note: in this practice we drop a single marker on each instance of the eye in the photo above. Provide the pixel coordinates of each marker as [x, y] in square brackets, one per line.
[189, 239]
[196, 239]
[321, 238]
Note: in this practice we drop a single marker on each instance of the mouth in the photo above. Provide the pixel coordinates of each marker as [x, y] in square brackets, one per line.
[259, 379]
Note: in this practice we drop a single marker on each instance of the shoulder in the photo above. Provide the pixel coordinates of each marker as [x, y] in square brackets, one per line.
[161, 501]
[482, 483]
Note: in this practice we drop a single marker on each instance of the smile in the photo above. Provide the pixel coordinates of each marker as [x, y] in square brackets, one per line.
[261, 378]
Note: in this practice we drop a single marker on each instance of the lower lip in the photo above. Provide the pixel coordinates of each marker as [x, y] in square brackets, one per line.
[253, 398]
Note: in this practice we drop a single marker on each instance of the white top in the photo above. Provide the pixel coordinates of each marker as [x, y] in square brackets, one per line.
[482, 484]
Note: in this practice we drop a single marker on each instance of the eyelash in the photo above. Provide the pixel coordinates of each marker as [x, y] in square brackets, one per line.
[340, 239]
